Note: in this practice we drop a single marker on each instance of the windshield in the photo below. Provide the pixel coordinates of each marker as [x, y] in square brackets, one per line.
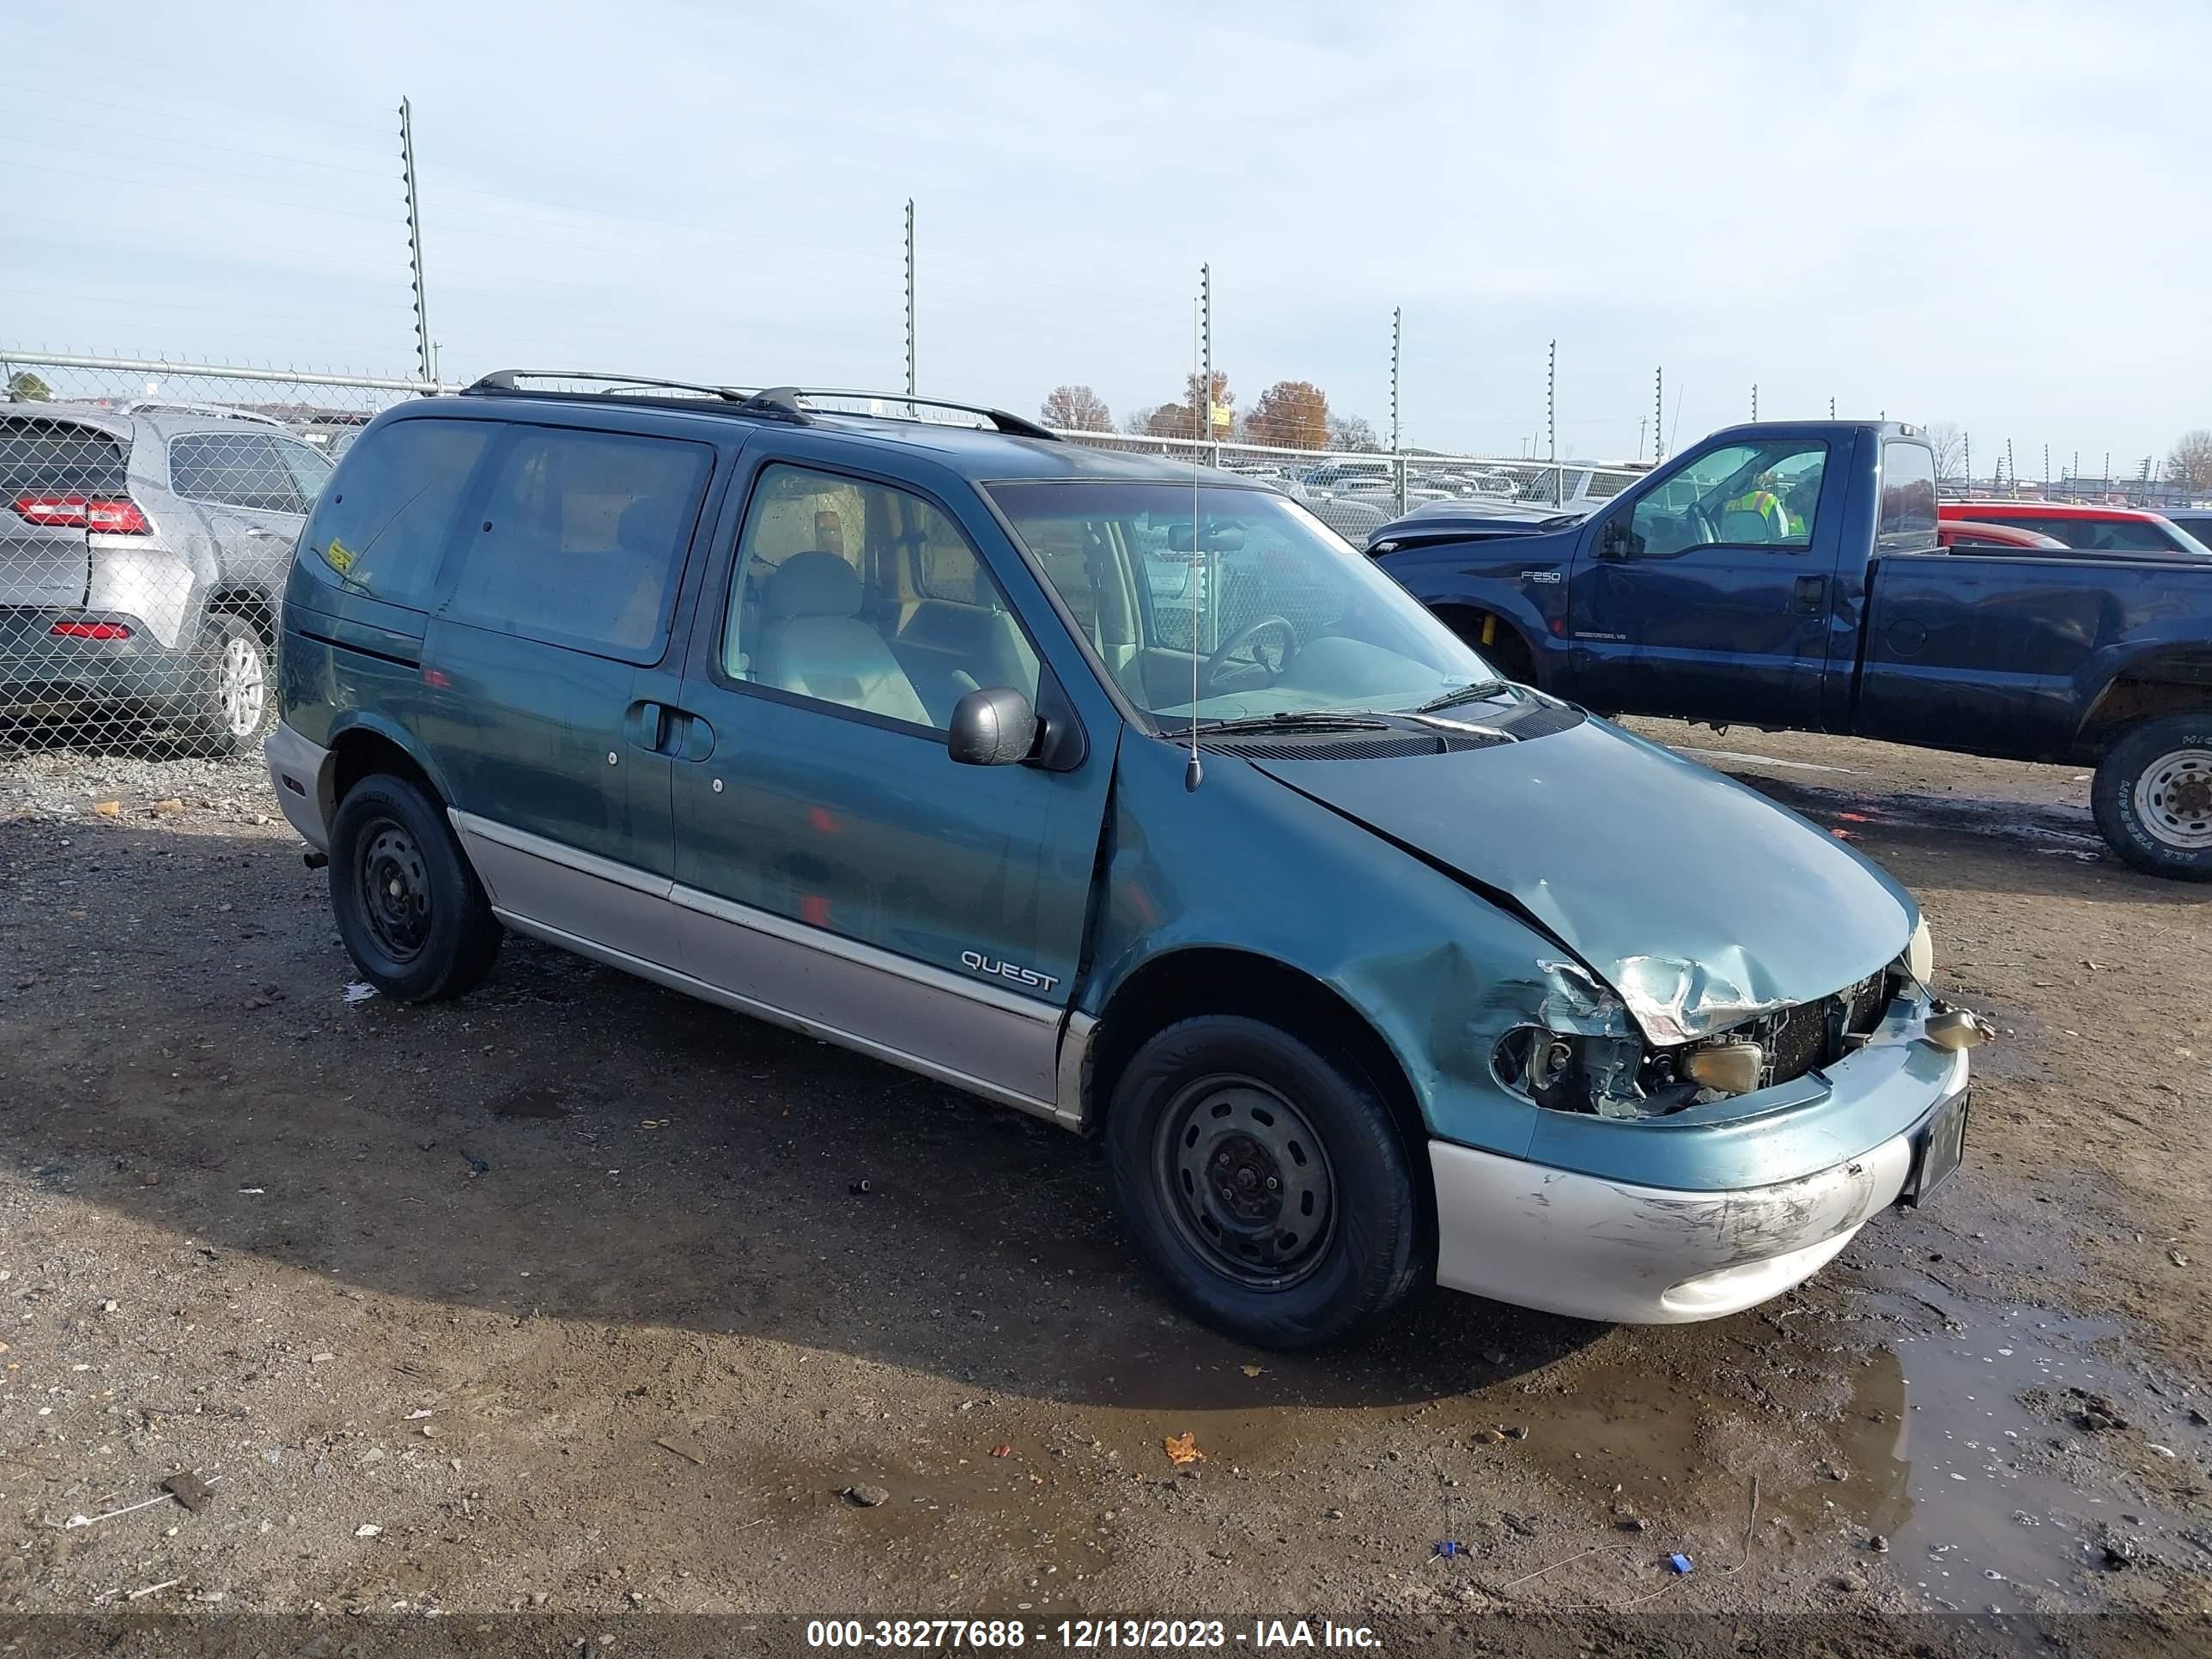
[1273, 613]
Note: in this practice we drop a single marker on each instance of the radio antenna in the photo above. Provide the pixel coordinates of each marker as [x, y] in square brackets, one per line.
[1201, 378]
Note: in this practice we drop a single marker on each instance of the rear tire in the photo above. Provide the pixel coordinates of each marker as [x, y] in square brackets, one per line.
[411, 912]
[2152, 796]
[1264, 1181]
[233, 691]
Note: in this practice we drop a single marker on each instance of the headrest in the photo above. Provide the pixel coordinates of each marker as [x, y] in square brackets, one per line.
[813, 585]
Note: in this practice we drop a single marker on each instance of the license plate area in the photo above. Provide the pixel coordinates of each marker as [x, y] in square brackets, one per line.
[1938, 1150]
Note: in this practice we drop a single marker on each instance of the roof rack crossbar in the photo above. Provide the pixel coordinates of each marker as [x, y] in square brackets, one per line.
[179, 406]
[504, 379]
[782, 403]
[1016, 424]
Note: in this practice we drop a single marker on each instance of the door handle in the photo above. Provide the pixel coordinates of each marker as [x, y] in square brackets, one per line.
[1812, 595]
[648, 726]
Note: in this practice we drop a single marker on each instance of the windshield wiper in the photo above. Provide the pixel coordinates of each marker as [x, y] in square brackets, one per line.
[1316, 720]
[1475, 693]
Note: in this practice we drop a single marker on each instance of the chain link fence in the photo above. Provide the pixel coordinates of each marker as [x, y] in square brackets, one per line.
[1357, 492]
[148, 511]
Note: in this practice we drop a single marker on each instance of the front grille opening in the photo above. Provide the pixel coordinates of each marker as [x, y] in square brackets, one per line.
[1797, 1040]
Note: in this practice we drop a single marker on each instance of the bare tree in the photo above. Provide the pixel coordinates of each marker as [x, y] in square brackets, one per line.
[1950, 446]
[1139, 422]
[1189, 419]
[1353, 431]
[2190, 463]
[1076, 408]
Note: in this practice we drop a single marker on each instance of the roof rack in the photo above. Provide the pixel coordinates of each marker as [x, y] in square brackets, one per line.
[504, 380]
[220, 411]
[782, 403]
[1013, 424]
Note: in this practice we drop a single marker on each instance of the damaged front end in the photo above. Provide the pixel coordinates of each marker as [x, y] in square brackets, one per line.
[1687, 1038]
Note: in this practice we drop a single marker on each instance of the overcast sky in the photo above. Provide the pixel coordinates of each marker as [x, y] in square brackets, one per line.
[1991, 215]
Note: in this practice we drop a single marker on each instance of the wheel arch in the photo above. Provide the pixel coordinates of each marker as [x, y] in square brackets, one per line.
[253, 606]
[371, 744]
[1194, 980]
[1501, 638]
[2172, 681]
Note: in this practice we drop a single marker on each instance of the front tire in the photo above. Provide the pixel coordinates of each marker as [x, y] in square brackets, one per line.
[1264, 1181]
[2152, 796]
[411, 912]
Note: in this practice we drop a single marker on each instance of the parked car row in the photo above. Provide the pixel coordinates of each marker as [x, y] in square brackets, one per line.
[1133, 801]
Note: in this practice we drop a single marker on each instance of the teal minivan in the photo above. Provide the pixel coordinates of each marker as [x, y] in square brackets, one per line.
[1117, 792]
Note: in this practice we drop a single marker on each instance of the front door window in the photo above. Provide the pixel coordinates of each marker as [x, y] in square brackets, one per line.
[1747, 495]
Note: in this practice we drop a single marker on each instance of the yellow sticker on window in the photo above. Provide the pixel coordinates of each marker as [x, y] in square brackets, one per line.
[338, 556]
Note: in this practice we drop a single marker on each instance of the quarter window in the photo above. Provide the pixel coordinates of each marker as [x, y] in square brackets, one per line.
[581, 537]
[383, 525]
[234, 468]
[868, 597]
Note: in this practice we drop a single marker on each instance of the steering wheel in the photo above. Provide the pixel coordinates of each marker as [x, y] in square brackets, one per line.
[1244, 636]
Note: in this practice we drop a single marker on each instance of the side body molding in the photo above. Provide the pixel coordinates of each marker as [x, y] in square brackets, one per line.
[1011, 1048]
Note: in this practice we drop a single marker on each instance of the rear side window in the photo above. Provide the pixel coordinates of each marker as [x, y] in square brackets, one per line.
[381, 526]
[1908, 498]
[234, 468]
[58, 458]
[581, 537]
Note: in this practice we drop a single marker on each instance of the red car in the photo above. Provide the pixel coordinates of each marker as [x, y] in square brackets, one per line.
[2086, 529]
[2012, 537]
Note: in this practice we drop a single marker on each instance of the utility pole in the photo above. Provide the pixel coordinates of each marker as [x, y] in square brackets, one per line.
[422, 349]
[2012, 467]
[912, 388]
[1640, 423]
[1658, 415]
[1755, 400]
[1552, 421]
[2047, 466]
[1966, 457]
[1397, 338]
[1206, 341]
[1831, 408]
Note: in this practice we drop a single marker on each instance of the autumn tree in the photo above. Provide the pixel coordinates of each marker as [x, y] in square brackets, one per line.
[1076, 408]
[1950, 446]
[1291, 415]
[24, 387]
[2190, 463]
[1186, 419]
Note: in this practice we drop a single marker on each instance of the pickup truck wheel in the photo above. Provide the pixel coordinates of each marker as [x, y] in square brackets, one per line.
[2152, 796]
[410, 911]
[1264, 1181]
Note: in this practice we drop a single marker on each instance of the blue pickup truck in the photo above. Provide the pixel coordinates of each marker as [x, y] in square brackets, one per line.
[1786, 575]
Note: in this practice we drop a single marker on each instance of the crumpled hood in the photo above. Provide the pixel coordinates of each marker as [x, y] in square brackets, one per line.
[1699, 902]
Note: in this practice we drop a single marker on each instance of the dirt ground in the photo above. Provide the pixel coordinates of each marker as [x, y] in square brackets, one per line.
[570, 1296]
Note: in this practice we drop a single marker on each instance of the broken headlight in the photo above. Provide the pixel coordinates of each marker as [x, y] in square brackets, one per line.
[1624, 1076]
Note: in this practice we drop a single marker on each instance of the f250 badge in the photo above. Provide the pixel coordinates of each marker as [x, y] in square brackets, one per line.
[992, 965]
[1539, 575]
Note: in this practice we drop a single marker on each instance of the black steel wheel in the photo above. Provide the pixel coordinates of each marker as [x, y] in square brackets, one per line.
[1266, 1180]
[413, 915]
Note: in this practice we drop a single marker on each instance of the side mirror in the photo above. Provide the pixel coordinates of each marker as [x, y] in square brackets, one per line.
[1612, 537]
[995, 726]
